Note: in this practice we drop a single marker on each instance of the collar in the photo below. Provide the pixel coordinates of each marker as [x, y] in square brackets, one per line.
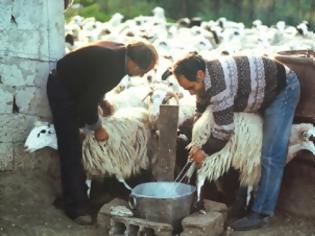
[207, 81]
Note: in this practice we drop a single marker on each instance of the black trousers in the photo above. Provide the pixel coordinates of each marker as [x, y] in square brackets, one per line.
[66, 121]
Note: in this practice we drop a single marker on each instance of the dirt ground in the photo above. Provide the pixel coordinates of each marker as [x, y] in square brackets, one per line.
[26, 210]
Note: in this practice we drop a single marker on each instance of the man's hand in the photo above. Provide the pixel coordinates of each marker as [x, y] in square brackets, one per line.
[82, 134]
[101, 134]
[106, 108]
[197, 155]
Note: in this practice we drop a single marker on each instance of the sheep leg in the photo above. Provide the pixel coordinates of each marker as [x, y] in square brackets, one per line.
[249, 195]
[240, 204]
[121, 180]
[200, 183]
[88, 182]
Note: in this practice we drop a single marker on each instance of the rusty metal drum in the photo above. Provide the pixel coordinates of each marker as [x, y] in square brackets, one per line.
[303, 63]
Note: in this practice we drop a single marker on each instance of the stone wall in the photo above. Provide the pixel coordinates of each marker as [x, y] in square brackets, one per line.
[31, 40]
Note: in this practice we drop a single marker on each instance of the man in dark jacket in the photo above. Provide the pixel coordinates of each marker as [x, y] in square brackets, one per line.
[245, 84]
[75, 89]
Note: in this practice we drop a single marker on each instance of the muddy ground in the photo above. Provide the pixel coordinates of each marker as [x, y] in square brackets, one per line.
[26, 210]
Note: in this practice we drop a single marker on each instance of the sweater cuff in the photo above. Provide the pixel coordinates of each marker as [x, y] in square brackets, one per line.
[96, 125]
[213, 145]
[205, 148]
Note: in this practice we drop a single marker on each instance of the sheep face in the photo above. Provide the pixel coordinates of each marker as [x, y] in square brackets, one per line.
[302, 138]
[42, 135]
[159, 97]
[156, 99]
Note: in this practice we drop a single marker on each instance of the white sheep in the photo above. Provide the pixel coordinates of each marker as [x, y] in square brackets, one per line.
[243, 150]
[123, 155]
[149, 97]
[42, 135]
[125, 152]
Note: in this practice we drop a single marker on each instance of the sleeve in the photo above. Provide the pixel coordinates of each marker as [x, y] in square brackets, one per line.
[221, 131]
[88, 108]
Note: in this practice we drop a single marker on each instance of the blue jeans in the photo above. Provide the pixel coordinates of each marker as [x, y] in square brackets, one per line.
[278, 119]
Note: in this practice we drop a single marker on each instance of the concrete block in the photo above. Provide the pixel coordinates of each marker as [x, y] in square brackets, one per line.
[45, 39]
[7, 156]
[121, 225]
[37, 31]
[33, 101]
[133, 226]
[28, 18]
[15, 127]
[104, 216]
[11, 74]
[5, 13]
[35, 73]
[27, 81]
[23, 98]
[18, 72]
[210, 224]
[216, 207]
[25, 44]
[6, 100]
[56, 29]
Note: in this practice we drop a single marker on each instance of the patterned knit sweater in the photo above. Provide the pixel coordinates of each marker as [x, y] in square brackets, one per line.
[237, 84]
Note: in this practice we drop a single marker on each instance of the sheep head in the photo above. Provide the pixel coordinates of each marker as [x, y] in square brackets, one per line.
[309, 139]
[159, 96]
[42, 135]
[302, 138]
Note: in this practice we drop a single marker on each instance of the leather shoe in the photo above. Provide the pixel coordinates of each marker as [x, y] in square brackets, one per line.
[83, 220]
[253, 220]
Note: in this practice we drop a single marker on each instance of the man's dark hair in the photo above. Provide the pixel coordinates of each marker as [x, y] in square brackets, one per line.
[143, 54]
[189, 66]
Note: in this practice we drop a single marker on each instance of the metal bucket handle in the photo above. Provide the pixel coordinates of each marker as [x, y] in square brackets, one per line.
[132, 202]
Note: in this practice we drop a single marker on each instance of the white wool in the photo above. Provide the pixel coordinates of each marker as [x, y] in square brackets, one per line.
[125, 152]
[243, 150]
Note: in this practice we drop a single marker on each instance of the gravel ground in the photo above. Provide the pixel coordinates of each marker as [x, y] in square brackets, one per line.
[26, 210]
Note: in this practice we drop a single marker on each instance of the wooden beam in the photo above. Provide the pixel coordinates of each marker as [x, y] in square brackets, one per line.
[163, 170]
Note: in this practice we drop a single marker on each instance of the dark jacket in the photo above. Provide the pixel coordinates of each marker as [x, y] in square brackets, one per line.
[91, 71]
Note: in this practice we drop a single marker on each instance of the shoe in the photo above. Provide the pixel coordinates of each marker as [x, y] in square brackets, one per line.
[253, 220]
[83, 220]
[58, 203]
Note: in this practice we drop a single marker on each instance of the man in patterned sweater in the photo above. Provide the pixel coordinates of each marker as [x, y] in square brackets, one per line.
[245, 84]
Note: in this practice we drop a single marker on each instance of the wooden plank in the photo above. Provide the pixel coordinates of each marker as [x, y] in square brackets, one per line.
[163, 170]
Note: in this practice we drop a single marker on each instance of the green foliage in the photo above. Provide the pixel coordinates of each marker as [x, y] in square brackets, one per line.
[102, 10]
[269, 11]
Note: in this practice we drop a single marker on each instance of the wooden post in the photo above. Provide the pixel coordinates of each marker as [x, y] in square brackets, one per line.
[163, 170]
